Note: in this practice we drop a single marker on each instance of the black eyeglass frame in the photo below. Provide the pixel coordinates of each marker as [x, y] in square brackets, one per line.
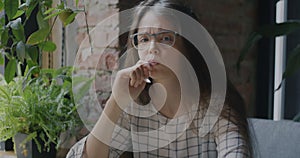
[132, 37]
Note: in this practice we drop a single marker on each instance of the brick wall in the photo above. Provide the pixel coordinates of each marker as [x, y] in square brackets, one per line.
[98, 61]
[229, 23]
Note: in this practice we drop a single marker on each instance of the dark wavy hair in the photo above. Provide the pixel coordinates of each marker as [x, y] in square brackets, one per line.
[234, 107]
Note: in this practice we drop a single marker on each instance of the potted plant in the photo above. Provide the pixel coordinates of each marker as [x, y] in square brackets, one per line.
[39, 104]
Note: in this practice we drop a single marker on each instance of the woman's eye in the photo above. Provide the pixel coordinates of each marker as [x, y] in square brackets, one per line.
[166, 38]
[143, 39]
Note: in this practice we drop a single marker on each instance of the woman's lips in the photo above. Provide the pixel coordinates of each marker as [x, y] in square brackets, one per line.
[152, 62]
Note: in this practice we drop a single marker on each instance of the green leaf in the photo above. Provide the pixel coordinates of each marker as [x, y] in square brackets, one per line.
[10, 70]
[31, 5]
[1, 58]
[81, 86]
[19, 13]
[17, 29]
[293, 63]
[11, 8]
[2, 20]
[47, 46]
[48, 3]
[270, 31]
[43, 24]
[32, 53]
[76, 3]
[1, 6]
[33, 67]
[4, 37]
[61, 5]
[279, 29]
[70, 19]
[49, 11]
[252, 39]
[30, 70]
[63, 16]
[297, 118]
[20, 49]
[38, 36]
[54, 14]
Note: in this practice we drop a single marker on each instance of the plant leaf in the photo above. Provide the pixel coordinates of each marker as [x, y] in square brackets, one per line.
[53, 14]
[48, 46]
[31, 5]
[70, 19]
[43, 24]
[1, 57]
[61, 5]
[11, 8]
[293, 63]
[20, 49]
[49, 11]
[19, 13]
[4, 37]
[252, 39]
[297, 118]
[38, 36]
[48, 3]
[34, 69]
[32, 53]
[10, 70]
[17, 29]
[279, 29]
[1, 6]
[81, 86]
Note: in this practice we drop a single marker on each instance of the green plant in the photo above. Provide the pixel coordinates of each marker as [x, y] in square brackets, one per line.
[20, 46]
[38, 104]
[271, 31]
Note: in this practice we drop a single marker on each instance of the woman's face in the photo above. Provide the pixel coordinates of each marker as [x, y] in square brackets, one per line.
[157, 45]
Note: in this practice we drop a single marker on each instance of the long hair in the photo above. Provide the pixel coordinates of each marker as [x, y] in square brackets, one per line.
[234, 107]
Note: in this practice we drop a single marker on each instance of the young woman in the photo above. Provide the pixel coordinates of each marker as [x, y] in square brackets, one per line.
[155, 109]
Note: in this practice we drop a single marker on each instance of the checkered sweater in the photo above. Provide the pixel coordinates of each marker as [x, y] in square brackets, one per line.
[140, 136]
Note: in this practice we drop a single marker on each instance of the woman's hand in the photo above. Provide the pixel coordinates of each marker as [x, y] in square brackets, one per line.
[130, 82]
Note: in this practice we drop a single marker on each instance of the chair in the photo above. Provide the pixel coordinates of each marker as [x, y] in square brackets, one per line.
[275, 139]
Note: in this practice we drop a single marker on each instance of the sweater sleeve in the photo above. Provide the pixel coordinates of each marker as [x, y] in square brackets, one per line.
[121, 140]
[230, 142]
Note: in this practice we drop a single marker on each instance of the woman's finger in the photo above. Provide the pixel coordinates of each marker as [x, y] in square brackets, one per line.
[132, 78]
[139, 76]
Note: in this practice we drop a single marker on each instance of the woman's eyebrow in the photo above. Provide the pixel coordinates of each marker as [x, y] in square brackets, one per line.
[149, 29]
[158, 32]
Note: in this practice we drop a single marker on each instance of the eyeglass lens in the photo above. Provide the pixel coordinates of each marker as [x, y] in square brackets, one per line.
[143, 40]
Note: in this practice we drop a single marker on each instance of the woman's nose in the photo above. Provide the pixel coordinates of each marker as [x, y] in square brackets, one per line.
[153, 47]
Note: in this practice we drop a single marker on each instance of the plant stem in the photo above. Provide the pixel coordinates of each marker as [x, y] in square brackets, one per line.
[40, 54]
[88, 30]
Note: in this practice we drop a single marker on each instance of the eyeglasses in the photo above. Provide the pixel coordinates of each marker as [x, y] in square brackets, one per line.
[142, 41]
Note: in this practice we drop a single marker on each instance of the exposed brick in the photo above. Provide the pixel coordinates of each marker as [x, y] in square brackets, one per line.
[229, 23]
